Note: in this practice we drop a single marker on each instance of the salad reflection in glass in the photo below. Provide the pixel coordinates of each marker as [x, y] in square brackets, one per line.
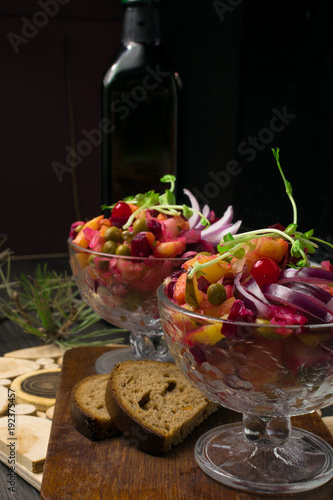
[252, 327]
[119, 262]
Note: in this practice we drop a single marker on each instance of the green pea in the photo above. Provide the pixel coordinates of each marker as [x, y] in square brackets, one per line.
[216, 294]
[109, 247]
[123, 250]
[127, 236]
[113, 234]
[140, 225]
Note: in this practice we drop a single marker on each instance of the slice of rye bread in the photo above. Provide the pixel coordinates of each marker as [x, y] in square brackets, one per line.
[154, 405]
[88, 411]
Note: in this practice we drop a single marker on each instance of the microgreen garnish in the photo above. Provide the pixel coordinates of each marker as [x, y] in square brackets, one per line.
[164, 203]
[289, 190]
[322, 241]
[301, 244]
[169, 178]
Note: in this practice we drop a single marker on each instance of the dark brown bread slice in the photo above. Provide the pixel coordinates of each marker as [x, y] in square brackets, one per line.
[154, 405]
[88, 411]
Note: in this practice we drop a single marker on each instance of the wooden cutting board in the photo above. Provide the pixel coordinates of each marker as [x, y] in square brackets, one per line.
[114, 469]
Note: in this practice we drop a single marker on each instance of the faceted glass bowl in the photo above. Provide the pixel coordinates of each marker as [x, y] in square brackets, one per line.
[122, 291]
[268, 373]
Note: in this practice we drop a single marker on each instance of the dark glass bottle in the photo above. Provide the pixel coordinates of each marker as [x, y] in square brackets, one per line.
[139, 108]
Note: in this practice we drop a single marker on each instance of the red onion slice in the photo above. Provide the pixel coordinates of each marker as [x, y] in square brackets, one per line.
[297, 300]
[252, 286]
[318, 295]
[221, 223]
[307, 274]
[206, 213]
[255, 305]
[217, 233]
[195, 218]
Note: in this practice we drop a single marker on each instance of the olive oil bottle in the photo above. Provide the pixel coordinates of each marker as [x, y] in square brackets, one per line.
[139, 108]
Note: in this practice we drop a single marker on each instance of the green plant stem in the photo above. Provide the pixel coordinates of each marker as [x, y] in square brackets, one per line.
[276, 153]
[46, 305]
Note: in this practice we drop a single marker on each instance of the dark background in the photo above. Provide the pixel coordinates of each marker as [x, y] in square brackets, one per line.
[241, 62]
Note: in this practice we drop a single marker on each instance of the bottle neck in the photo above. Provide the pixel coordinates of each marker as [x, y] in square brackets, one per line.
[141, 24]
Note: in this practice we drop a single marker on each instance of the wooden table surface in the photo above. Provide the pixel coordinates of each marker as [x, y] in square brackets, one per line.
[116, 469]
[12, 338]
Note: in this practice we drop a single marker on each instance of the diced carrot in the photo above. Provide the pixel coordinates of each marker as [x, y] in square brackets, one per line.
[150, 237]
[132, 207]
[105, 224]
[210, 310]
[169, 249]
[179, 290]
[201, 258]
[161, 217]
[80, 239]
[275, 249]
[224, 309]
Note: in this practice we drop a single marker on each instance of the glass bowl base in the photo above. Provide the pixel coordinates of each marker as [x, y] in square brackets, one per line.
[303, 463]
[138, 351]
[106, 362]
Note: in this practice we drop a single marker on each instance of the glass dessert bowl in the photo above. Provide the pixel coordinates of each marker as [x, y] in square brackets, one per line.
[119, 262]
[251, 326]
[268, 378]
[122, 290]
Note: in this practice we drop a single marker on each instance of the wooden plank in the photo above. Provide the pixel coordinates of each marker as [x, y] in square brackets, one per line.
[10, 367]
[38, 388]
[35, 479]
[5, 382]
[114, 468]
[3, 400]
[29, 441]
[42, 351]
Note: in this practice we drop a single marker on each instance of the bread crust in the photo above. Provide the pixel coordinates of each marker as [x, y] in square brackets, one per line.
[86, 402]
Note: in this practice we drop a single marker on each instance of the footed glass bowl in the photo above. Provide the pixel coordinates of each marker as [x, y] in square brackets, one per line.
[122, 290]
[268, 373]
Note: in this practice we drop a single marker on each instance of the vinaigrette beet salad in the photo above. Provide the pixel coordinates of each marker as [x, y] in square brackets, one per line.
[119, 261]
[151, 225]
[252, 324]
[264, 276]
